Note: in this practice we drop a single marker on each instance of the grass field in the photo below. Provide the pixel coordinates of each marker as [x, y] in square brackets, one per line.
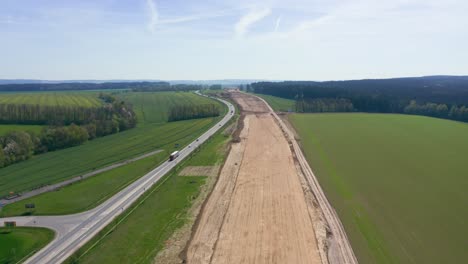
[278, 104]
[63, 164]
[138, 235]
[85, 99]
[4, 129]
[398, 183]
[16, 243]
[153, 107]
[87, 194]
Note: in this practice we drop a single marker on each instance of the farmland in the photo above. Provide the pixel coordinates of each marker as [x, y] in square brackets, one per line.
[60, 165]
[16, 243]
[277, 103]
[397, 182]
[146, 227]
[87, 194]
[83, 99]
[154, 107]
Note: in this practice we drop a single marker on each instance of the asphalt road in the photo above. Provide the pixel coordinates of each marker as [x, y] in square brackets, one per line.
[73, 231]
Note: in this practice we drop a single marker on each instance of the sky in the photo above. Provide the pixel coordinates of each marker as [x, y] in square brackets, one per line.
[232, 39]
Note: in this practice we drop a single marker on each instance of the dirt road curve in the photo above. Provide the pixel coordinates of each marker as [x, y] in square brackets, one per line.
[257, 212]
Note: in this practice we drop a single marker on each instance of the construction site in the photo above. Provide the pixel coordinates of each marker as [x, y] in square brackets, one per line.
[266, 207]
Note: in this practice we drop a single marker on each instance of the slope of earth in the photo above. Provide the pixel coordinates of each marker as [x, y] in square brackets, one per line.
[398, 183]
[257, 212]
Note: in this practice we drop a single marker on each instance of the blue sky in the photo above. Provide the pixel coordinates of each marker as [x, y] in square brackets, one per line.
[282, 40]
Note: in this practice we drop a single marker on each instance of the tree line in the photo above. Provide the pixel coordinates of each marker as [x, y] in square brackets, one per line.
[115, 116]
[184, 112]
[77, 86]
[439, 96]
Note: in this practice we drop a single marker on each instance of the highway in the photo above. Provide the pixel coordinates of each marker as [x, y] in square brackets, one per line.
[73, 231]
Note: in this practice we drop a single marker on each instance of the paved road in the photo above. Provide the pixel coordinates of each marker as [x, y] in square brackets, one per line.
[53, 187]
[73, 231]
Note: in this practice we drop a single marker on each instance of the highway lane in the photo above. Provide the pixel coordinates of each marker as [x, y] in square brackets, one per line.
[73, 231]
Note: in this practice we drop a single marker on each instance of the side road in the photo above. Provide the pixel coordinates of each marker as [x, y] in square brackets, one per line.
[53, 187]
[339, 248]
[73, 231]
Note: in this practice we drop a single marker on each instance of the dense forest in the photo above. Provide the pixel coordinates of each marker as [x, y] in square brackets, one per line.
[438, 96]
[68, 126]
[184, 112]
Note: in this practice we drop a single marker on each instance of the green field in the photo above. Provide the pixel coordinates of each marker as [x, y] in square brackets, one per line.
[399, 183]
[63, 164]
[279, 104]
[87, 194]
[153, 107]
[17, 243]
[138, 235]
[85, 99]
[5, 129]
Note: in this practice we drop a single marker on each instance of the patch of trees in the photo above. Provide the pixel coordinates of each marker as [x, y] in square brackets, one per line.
[184, 112]
[438, 110]
[433, 96]
[113, 117]
[320, 105]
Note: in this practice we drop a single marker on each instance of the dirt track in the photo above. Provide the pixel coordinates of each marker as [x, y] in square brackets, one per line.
[257, 212]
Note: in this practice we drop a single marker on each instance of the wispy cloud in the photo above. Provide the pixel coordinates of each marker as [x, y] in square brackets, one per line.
[278, 23]
[153, 15]
[246, 21]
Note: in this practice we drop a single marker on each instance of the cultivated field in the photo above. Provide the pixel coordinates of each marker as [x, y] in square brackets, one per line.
[153, 107]
[397, 182]
[60, 165]
[257, 212]
[16, 243]
[85, 99]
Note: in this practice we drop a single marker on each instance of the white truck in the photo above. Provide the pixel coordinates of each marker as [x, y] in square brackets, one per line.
[174, 155]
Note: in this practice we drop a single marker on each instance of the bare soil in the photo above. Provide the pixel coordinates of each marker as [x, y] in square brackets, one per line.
[258, 211]
[209, 171]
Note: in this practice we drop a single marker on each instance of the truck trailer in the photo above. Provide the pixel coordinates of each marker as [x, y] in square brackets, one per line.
[174, 155]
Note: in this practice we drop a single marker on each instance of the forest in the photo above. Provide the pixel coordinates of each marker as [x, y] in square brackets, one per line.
[184, 112]
[68, 127]
[438, 96]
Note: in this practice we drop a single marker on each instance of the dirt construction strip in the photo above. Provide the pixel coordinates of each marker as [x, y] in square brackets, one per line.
[257, 212]
[339, 248]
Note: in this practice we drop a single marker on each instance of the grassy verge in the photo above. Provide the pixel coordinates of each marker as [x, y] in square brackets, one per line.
[143, 230]
[398, 183]
[278, 104]
[17, 243]
[86, 194]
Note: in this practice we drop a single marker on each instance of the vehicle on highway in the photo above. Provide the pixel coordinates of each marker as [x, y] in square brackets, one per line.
[174, 155]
